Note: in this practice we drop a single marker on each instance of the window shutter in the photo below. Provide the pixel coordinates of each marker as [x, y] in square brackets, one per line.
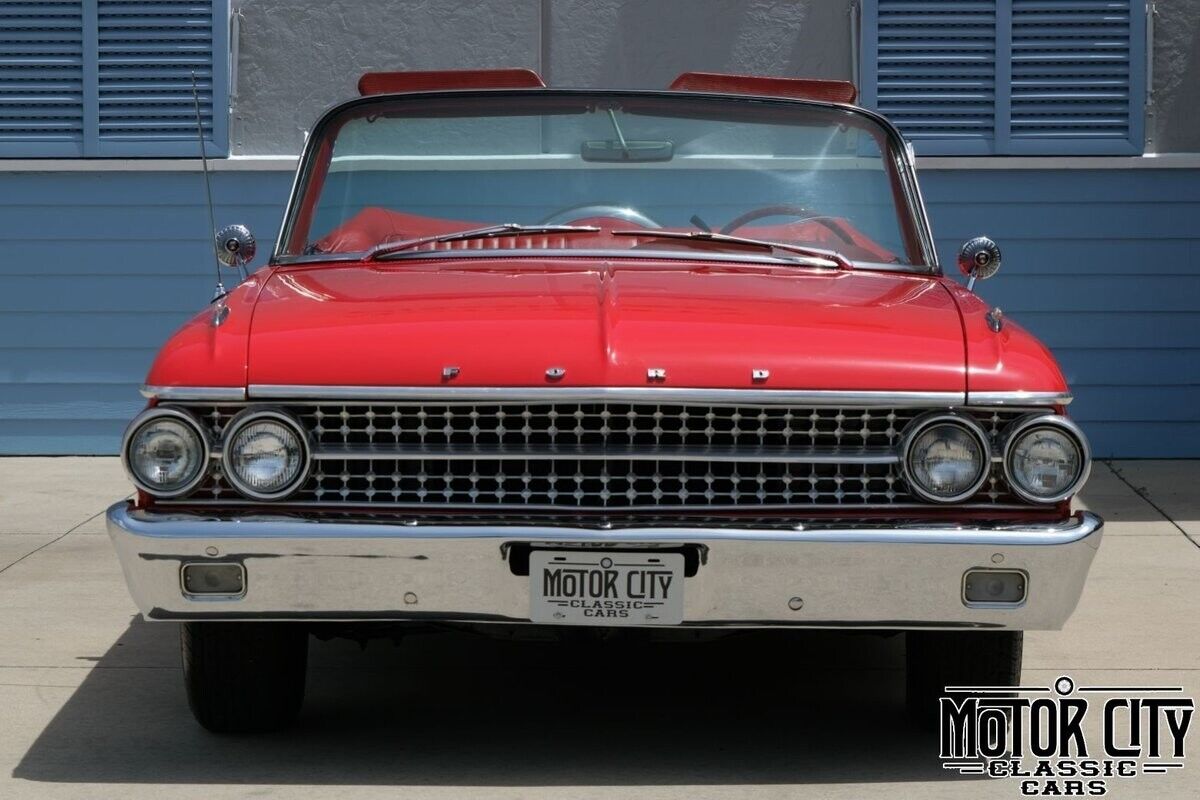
[1030, 77]
[147, 52]
[1074, 69]
[113, 77]
[935, 71]
[41, 79]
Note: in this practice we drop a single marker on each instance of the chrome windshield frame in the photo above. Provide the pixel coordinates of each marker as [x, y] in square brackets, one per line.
[902, 165]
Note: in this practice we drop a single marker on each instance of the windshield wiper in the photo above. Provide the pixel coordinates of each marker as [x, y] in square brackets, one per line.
[490, 232]
[815, 257]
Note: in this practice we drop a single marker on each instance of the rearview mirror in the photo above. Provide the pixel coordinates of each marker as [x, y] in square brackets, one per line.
[626, 150]
[235, 246]
[979, 259]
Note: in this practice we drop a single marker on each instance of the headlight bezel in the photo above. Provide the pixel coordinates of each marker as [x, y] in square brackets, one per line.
[922, 424]
[188, 421]
[249, 416]
[1029, 424]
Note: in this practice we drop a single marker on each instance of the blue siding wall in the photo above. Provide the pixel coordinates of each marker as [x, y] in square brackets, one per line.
[96, 271]
[99, 268]
[1102, 266]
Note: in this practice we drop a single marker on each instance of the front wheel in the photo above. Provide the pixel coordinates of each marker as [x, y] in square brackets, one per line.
[244, 677]
[937, 659]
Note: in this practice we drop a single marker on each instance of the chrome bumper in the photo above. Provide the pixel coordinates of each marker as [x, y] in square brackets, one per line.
[899, 577]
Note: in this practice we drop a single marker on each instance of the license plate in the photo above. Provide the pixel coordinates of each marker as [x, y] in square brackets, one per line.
[585, 587]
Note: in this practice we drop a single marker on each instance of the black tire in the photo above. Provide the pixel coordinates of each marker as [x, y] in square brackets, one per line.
[244, 677]
[937, 659]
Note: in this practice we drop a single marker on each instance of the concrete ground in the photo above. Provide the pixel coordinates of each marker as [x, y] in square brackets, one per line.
[92, 703]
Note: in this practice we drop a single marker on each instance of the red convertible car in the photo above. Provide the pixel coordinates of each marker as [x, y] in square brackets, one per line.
[528, 357]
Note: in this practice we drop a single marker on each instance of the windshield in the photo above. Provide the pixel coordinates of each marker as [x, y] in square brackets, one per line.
[393, 170]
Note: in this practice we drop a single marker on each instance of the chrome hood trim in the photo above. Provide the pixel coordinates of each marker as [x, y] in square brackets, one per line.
[604, 393]
[1019, 398]
[194, 392]
[518, 393]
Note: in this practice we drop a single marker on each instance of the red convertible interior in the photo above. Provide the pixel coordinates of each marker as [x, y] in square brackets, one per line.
[374, 226]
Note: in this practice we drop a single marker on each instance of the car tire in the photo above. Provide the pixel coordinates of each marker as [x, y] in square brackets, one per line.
[244, 677]
[937, 659]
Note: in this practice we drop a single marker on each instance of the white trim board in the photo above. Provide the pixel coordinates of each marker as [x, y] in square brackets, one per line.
[288, 163]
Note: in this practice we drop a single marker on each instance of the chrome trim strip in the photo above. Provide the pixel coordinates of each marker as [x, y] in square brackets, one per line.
[416, 509]
[782, 455]
[199, 526]
[520, 394]
[194, 392]
[907, 169]
[669, 394]
[1019, 398]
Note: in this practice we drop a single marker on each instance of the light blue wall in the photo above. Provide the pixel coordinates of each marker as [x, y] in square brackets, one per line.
[1103, 266]
[97, 269]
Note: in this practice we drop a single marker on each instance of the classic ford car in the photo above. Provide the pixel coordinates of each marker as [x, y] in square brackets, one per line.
[679, 359]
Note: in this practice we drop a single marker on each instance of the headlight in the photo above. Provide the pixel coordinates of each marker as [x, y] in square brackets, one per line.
[1046, 458]
[165, 452]
[946, 457]
[265, 454]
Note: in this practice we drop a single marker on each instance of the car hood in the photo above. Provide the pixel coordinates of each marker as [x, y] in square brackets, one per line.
[503, 322]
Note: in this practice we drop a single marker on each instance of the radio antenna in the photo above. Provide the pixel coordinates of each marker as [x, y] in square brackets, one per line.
[212, 220]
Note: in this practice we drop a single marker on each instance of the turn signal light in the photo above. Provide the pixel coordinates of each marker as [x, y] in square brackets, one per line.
[215, 578]
[994, 586]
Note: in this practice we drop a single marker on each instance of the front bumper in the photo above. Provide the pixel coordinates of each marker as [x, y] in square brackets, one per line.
[850, 577]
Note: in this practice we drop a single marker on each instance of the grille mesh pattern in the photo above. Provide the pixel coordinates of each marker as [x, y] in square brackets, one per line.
[598, 456]
[611, 425]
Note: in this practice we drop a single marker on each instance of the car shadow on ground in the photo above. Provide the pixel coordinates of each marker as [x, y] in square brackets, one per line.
[452, 708]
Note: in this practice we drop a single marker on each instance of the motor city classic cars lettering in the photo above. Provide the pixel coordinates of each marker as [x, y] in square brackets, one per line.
[605, 592]
[1040, 740]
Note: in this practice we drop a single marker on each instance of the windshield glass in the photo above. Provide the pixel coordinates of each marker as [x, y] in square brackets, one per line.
[396, 169]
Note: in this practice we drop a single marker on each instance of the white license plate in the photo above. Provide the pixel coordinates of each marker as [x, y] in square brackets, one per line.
[588, 587]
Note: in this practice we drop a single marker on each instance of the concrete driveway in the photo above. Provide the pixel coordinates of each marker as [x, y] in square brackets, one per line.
[92, 704]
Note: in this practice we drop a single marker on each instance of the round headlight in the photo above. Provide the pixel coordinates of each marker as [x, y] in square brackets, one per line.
[1046, 458]
[946, 458]
[265, 455]
[165, 452]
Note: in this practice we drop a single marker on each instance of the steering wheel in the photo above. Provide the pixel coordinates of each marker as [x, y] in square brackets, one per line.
[800, 212]
[599, 210]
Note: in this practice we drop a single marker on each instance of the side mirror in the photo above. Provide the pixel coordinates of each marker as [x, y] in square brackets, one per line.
[979, 259]
[236, 246]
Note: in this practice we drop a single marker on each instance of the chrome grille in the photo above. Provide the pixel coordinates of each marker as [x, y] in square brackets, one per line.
[596, 456]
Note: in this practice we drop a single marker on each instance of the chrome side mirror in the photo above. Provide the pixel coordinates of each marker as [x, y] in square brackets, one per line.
[979, 259]
[236, 246]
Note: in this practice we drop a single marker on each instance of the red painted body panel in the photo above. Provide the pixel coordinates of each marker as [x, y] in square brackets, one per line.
[504, 321]
[800, 88]
[199, 354]
[1009, 361]
[437, 80]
